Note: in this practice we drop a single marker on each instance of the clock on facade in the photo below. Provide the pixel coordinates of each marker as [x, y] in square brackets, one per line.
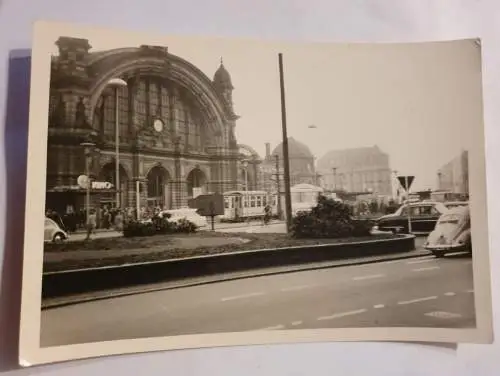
[158, 125]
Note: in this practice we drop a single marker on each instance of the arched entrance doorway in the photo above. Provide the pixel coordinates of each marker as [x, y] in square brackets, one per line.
[196, 183]
[158, 192]
[108, 174]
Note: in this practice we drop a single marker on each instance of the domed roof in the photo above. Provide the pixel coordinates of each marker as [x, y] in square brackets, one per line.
[296, 149]
[222, 77]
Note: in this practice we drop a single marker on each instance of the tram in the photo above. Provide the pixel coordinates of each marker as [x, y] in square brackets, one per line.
[246, 205]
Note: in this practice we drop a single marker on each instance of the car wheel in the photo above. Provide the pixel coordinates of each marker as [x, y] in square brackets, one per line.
[438, 254]
[58, 237]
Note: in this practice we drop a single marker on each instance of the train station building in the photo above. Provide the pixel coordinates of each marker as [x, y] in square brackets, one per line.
[174, 127]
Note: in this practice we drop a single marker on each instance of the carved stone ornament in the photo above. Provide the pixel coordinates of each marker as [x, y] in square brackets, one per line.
[81, 120]
[58, 115]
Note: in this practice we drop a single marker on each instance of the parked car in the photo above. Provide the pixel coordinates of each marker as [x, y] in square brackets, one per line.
[452, 233]
[53, 232]
[187, 213]
[423, 216]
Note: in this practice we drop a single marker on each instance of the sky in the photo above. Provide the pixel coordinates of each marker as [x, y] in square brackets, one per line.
[419, 102]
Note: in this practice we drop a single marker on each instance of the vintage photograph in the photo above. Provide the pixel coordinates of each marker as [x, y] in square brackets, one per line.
[200, 186]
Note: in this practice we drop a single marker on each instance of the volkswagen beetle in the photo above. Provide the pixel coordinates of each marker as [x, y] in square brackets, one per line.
[451, 234]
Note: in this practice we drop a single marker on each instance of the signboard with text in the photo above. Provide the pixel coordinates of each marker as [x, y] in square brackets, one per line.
[83, 182]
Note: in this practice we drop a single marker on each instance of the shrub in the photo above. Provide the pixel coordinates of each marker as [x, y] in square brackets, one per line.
[136, 228]
[158, 226]
[329, 219]
[185, 226]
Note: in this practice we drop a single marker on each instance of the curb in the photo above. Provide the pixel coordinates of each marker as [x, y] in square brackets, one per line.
[249, 274]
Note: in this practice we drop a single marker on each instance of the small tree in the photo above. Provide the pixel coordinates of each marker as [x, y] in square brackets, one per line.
[329, 219]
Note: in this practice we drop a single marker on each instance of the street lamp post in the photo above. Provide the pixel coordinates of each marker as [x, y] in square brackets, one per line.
[245, 168]
[88, 146]
[117, 83]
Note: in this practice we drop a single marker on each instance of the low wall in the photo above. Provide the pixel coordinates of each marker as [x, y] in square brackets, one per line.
[56, 284]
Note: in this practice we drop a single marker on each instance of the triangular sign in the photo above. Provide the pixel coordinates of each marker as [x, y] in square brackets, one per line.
[406, 180]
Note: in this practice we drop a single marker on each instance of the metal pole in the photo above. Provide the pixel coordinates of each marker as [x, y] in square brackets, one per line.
[87, 193]
[286, 161]
[409, 207]
[137, 197]
[280, 209]
[117, 148]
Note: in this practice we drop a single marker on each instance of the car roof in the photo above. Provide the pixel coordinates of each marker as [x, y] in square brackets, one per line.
[421, 203]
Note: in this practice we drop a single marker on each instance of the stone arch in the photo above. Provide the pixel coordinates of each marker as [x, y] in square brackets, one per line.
[196, 180]
[172, 67]
[248, 152]
[105, 159]
[107, 173]
[160, 165]
[157, 183]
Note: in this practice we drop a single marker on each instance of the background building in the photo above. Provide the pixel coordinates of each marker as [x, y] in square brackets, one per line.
[454, 175]
[356, 170]
[175, 127]
[302, 165]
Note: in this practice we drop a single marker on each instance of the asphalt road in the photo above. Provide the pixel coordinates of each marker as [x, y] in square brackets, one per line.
[425, 292]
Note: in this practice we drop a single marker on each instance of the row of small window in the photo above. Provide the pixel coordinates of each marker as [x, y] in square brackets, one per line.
[252, 202]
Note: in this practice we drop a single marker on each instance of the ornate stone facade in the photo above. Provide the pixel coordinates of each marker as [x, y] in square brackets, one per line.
[357, 170]
[454, 176]
[302, 165]
[175, 126]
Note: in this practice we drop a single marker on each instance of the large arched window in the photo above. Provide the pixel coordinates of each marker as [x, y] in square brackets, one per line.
[153, 98]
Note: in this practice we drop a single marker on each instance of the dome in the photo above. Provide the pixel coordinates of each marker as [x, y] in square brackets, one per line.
[296, 149]
[222, 77]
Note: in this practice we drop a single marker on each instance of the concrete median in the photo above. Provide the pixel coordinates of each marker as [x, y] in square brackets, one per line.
[66, 283]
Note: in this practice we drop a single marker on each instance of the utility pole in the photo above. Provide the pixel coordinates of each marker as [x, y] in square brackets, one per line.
[278, 185]
[286, 160]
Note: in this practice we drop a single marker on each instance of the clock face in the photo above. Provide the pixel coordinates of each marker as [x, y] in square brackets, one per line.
[158, 125]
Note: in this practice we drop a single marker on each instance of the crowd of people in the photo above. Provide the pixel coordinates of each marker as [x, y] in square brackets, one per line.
[106, 217]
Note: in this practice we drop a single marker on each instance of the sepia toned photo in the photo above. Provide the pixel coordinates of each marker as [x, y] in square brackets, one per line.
[200, 192]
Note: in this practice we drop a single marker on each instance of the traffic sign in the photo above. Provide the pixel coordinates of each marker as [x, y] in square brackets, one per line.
[406, 182]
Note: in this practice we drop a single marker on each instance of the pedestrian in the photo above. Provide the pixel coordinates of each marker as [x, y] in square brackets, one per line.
[118, 222]
[91, 224]
[267, 214]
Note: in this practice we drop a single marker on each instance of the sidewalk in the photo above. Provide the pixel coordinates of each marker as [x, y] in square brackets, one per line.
[111, 233]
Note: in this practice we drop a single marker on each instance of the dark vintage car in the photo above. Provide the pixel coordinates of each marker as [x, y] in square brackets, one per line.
[451, 234]
[423, 216]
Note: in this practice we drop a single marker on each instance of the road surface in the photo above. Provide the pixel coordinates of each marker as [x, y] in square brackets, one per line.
[424, 292]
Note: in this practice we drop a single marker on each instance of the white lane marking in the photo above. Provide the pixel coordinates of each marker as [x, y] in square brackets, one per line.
[242, 296]
[425, 269]
[449, 294]
[376, 306]
[469, 291]
[276, 327]
[295, 323]
[368, 277]
[421, 261]
[417, 300]
[443, 315]
[341, 314]
[295, 288]
[456, 253]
